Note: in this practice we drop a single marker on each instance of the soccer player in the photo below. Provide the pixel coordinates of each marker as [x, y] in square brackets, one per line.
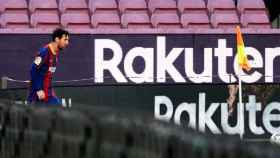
[43, 68]
[233, 89]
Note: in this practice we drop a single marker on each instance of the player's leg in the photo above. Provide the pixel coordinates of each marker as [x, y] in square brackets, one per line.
[32, 97]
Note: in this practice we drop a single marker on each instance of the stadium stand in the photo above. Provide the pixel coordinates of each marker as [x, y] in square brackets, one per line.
[179, 14]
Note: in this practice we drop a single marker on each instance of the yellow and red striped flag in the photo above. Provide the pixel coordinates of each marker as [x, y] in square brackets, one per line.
[242, 57]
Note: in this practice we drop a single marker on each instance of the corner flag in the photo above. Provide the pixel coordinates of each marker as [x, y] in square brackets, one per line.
[242, 57]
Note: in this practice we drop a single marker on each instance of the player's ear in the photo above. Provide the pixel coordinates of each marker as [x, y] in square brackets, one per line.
[56, 39]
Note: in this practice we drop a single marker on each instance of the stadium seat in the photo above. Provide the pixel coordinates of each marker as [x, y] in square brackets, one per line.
[133, 6]
[41, 119]
[91, 148]
[253, 14]
[45, 20]
[33, 143]
[195, 19]
[165, 20]
[67, 119]
[250, 5]
[9, 142]
[224, 5]
[223, 13]
[3, 114]
[134, 14]
[75, 14]
[224, 19]
[255, 20]
[103, 6]
[191, 5]
[194, 14]
[42, 5]
[13, 6]
[108, 150]
[165, 6]
[75, 20]
[73, 6]
[63, 146]
[14, 20]
[104, 14]
[139, 20]
[164, 14]
[14, 14]
[19, 118]
[105, 20]
[44, 14]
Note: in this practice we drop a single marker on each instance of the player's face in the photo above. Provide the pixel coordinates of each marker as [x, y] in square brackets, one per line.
[63, 42]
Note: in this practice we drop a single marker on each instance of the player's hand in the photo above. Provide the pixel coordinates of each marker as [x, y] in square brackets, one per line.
[41, 94]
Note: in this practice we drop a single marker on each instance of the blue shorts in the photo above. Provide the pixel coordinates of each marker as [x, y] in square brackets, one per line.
[52, 100]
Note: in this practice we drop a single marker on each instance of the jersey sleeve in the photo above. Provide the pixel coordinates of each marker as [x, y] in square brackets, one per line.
[37, 71]
[41, 57]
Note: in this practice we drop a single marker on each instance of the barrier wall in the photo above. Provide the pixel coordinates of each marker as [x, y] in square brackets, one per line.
[146, 59]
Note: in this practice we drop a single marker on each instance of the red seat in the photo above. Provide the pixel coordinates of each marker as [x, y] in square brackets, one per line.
[134, 14]
[156, 6]
[191, 5]
[194, 19]
[141, 20]
[44, 14]
[105, 6]
[42, 5]
[135, 6]
[45, 20]
[105, 20]
[165, 20]
[13, 6]
[14, 14]
[224, 19]
[75, 20]
[73, 6]
[250, 5]
[223, 13]
[255, 20]
[213, 5]
[164, 14]
[193, 14]
[14, 20]
[75, 14]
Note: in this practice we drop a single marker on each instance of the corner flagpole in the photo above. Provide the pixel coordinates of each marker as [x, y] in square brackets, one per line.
[243, 64]
[241, 106]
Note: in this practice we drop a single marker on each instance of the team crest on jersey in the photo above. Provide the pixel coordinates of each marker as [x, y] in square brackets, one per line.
[52, 69]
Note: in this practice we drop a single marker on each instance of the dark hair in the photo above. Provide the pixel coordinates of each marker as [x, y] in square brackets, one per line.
[59, 33]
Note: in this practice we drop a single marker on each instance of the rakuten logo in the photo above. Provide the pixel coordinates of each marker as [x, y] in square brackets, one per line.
[204, 118]
[159, 63]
